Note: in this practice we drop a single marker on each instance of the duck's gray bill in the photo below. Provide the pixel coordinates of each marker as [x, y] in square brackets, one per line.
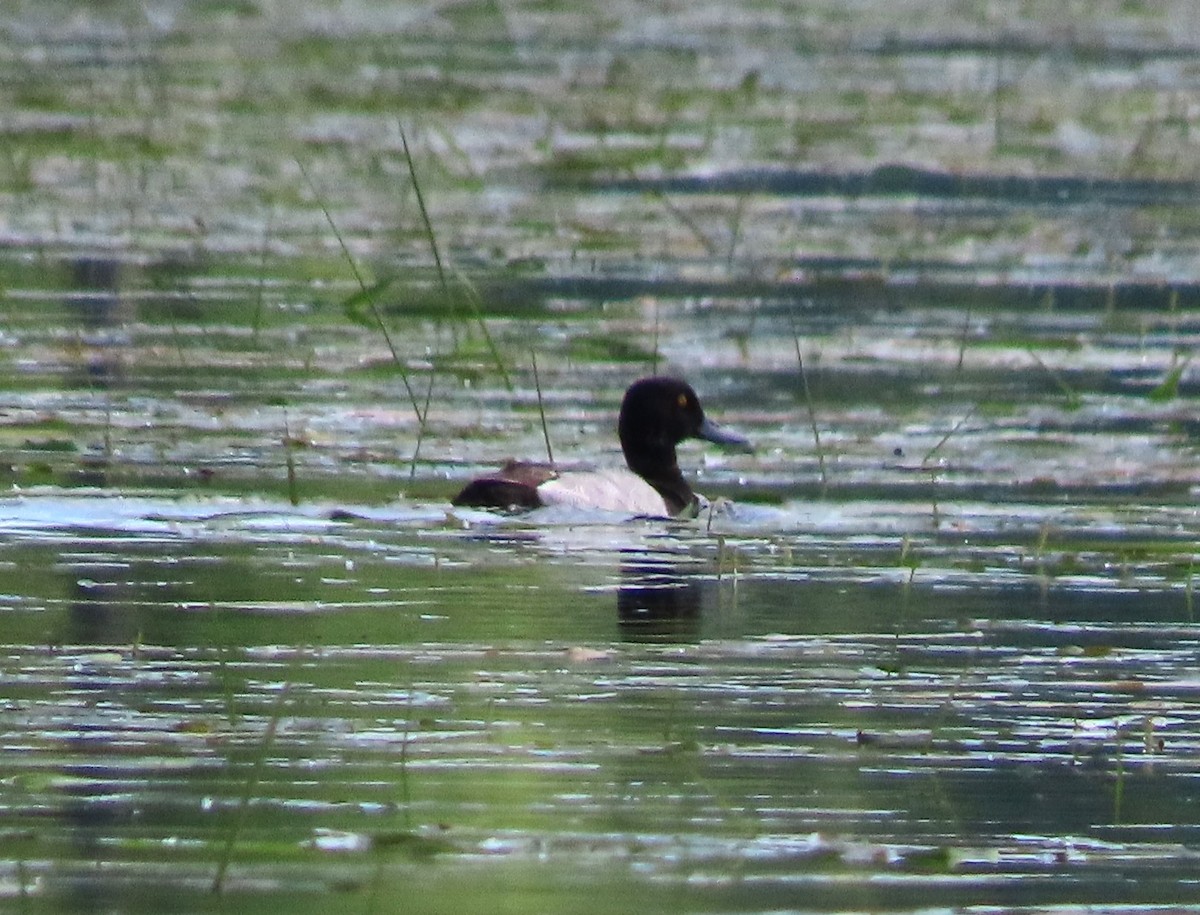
[711, 432]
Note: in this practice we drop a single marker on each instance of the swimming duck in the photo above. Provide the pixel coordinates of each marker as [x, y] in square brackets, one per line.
[656, 414]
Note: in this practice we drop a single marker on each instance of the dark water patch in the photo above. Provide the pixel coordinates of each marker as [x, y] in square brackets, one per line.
[946, 488]
[851, 287]
[1107, 51]
[909, 181]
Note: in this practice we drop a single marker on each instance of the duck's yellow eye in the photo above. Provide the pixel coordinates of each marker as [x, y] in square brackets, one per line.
[683, 401]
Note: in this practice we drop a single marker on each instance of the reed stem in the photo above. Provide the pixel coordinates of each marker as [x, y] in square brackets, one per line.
[812, 413]
[252, 780]
[537, 383]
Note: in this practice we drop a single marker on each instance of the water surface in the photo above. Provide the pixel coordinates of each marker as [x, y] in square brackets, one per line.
[937, 654]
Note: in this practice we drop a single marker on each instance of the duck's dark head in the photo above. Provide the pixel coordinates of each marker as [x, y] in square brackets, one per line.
[656, 415]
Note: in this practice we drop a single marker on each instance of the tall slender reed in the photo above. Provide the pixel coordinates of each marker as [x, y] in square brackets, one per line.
[366, 294]
[1043, 566]
[252, 780]
[962, 342]
[941, 442]
[470, 295]
[1168, 388]
[908, 558]
[430, 235]
[1189, 591]
[412, 465]
[537, 383]
[735, 231]
[812, 413]
[711, 248]
[926, 461]
[654, 352]
[475, 301]
[290, 458]
[260, 289]
[1073, 398]
[1119, 781]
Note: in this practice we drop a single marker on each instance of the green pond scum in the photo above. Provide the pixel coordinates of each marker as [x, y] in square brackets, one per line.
[276, 279]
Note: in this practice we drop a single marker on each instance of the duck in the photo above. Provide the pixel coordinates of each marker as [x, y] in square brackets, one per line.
[657, 413]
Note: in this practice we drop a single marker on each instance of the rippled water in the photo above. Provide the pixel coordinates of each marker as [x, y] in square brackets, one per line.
[635, 714]
[938, 654]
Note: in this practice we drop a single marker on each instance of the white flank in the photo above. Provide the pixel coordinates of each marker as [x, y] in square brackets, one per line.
[616, 490]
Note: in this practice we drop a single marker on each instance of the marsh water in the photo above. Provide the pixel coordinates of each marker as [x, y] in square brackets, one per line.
[933, 646]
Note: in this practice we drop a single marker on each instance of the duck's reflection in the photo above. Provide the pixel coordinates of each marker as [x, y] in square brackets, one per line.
[97, 801]
[95, 299]
[660, 596]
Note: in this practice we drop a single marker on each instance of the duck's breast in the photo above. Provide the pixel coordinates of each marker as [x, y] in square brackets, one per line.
[616, 490]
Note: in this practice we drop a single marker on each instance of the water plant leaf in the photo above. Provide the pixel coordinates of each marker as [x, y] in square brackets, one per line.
[50, 444]
[1168, 388]
[413, 844]
[936, 860]
[1074, 401]
[358, 306]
